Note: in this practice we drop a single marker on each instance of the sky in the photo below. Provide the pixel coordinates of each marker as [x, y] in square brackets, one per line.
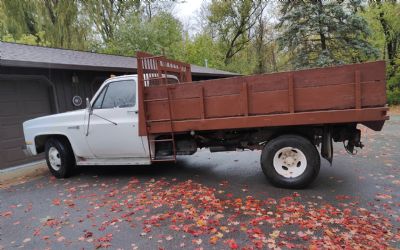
[186, 12]
[187, 8]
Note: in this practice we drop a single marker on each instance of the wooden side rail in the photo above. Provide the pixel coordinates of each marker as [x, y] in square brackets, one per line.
[348, 93]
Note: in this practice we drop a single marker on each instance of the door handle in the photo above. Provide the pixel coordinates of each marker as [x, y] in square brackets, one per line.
[132, 111]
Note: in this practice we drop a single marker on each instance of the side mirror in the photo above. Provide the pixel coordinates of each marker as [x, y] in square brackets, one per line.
[88, 106]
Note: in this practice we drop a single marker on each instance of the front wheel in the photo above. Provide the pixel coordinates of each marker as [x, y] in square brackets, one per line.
[290, 161]
[59, 157]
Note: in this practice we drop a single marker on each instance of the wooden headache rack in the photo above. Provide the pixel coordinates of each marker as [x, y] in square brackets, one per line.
[159, 71]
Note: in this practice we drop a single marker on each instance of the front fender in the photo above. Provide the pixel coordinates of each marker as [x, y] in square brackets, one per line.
[78, 143]
[69, 125]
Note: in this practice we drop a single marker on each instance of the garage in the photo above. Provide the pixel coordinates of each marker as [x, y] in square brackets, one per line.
[21, 98]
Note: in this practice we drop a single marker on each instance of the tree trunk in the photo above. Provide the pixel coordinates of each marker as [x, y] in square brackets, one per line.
[260, 47]
[390, 42]
[321, 33]
[273, 61]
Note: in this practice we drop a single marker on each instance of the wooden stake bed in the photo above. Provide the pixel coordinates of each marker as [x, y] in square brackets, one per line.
[345, 94]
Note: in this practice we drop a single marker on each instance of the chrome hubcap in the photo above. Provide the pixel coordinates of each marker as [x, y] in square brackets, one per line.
[290, 162]
[54, 159]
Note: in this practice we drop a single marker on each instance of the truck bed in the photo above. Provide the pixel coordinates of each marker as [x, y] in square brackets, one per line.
[353, 93]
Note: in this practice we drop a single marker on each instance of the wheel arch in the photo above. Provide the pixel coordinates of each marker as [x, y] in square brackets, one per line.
[40, 141]
[302, 131]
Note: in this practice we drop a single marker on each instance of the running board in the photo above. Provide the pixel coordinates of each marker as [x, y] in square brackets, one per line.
[114, 161]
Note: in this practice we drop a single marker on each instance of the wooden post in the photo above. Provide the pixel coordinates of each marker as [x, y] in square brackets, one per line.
[291, 93]
[245, 99]
[357, 95]
[142, 114]
[201, 101]
[188, 73]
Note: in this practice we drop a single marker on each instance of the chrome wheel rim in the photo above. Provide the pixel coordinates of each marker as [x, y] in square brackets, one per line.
[54, 159]
[290, 162]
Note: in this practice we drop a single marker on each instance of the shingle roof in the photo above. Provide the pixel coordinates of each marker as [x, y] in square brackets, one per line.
[19, 55]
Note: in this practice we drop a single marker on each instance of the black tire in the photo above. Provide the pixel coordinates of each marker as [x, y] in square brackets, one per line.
[308, 150]
[65, 156]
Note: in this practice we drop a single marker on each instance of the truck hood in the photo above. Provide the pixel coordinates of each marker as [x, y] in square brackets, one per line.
[65, 118]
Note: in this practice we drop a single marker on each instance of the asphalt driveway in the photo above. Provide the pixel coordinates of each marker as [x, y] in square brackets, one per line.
[212, 201]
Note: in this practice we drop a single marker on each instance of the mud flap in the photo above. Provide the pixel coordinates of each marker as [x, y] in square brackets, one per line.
[326, 145]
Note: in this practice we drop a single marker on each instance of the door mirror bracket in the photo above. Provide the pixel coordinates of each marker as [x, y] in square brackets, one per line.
[88, 105]
[89, 109]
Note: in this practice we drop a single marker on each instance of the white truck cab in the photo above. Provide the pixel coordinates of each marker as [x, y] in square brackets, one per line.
[105, 133]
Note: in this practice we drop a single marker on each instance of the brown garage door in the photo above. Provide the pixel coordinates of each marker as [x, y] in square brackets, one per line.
[20, 100]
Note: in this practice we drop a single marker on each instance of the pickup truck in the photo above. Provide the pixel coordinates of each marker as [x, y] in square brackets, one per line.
[292, 117]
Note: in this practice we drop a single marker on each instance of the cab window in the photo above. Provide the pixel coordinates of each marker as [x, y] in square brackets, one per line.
[118, 94]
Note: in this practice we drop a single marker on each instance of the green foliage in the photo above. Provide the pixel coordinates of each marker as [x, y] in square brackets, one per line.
[162, 34]
[27, 39]
[393, 86]
[20, 17]
[393, 96]
[323, 33]
[202, 48]
[61, 23]
[384, 20]
[44, 22]
[108, 15]
[3, 21]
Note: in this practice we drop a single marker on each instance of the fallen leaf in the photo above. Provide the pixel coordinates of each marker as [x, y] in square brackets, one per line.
[56, 202]
[197, 241]
[232, 244]
[383, 196]
[26, 240]
[213, 240]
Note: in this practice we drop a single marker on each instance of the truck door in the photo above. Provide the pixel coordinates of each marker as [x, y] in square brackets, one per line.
[113, 126]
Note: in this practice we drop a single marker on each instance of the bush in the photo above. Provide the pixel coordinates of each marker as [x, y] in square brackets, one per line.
[393, 96]
[393, 89]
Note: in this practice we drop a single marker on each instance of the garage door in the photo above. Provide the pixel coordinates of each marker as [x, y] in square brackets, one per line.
[20, 100]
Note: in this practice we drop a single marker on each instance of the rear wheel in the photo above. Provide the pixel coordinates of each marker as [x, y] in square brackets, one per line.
[290, 161]
[59, 157]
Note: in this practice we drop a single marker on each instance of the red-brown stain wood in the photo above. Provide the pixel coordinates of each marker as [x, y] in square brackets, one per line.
[349, 93]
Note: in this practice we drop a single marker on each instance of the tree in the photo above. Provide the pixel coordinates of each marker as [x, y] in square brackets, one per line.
[2, 22]
[233, 20]
[54, 23]
[264, 45]
[62, 25]
[20, 17]
[149, 8]
[323, 33]
[160, 35]
[384, 19]
[203, 50]
[108, 15]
